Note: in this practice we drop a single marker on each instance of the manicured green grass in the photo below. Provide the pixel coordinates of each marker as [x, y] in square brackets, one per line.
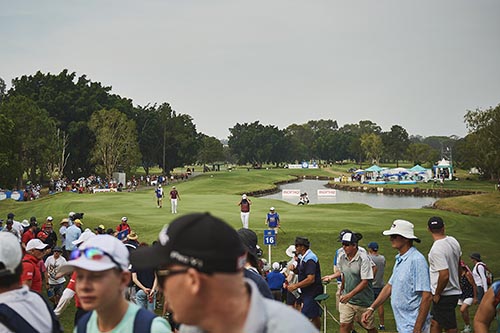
[219, 193]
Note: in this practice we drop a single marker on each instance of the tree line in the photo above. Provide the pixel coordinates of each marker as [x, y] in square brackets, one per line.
[55, 125]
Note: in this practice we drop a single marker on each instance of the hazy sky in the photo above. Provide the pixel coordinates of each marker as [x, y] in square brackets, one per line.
[420, 64]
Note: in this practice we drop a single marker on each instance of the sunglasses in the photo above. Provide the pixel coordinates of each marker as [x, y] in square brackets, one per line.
[93, 253]
[347, 244]
[163, 274]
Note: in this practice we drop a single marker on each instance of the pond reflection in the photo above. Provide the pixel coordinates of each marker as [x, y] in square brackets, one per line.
[375, 200]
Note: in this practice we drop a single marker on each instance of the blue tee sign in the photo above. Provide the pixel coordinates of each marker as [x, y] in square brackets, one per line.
[270, 237]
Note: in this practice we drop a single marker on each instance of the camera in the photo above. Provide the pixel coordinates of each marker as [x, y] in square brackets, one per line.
[78, 216]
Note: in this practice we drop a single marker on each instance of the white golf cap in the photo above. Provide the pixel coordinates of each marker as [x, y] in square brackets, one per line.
[290, 251]
[50, 218]
[402, 228]
[244, 196]
[85, 236]
[125, 219]
[114, 255]
[276, 265]
[35, 244]
[272, 208]
[10, 253]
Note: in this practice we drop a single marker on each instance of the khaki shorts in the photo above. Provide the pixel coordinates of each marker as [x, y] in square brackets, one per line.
[350, 313]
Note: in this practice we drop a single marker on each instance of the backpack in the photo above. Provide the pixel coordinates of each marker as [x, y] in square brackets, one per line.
[142, 322]
[487, 272]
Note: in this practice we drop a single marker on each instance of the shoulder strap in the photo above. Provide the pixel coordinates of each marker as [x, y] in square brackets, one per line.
[56, 325]
[143, 321]
[81, 326]
[13, 321]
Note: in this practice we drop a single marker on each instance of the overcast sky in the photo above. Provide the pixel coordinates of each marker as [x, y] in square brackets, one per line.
[420, 64]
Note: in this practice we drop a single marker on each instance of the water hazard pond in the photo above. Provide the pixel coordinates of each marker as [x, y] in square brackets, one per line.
[375, 200]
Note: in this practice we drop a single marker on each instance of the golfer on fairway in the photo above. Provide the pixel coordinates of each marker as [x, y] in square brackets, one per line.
[159, 196]
[273, 220]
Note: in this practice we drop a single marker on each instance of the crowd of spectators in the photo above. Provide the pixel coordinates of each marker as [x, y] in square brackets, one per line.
[201, 270]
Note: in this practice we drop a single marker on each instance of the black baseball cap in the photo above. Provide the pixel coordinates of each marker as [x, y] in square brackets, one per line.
[302, 241]
[249, 239]
[349, 237]
[10, 215]
[435, 223]
[198, 240]
[344, 231]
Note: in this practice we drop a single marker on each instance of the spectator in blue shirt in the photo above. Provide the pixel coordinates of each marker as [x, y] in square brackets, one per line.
[409, 286]
[275, 281]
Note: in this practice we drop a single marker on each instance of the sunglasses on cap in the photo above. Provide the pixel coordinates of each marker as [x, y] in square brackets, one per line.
[163, 274]
[93, 253]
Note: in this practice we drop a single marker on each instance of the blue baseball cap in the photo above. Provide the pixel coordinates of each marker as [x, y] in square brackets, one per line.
[373, 246]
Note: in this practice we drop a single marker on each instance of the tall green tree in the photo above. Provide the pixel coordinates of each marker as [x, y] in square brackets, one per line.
[30, 137]
[396, 143]
[3, 89]
[278, 145]
[71, 100]
[166, 138]
[255, 143]
[372, 146]
[181, 141]
[483, 140]
[150, 134]
[301, 139]
[354, 132]
[211, 150]
[440, 142]
[422, 153]
[58, 154]
[311, 140]
[324, 134]
[116, 142]
[8, 171]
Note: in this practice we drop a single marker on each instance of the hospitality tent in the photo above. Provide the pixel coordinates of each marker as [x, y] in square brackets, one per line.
[420, 173]
[374, 168]
[418, 168]
[443, 168]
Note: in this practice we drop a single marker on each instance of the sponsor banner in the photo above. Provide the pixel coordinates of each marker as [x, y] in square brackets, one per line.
[104, 190]
[14, 195]
[288, 193]
[327, 193]
[294, 166]
[304, 165]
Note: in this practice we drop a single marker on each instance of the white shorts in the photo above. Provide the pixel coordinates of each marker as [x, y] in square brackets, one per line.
[467, 301]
